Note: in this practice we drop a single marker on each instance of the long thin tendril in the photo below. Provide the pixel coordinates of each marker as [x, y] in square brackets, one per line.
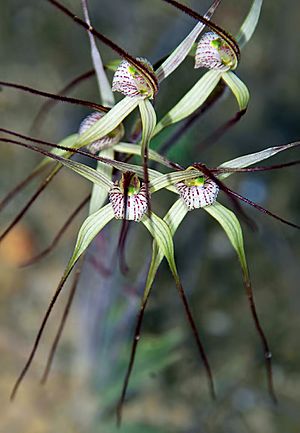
[39, 336]
[58, 236]
[20, 215]
[7, 199]
[62, 322]
[136, 340]
[59, 98]
[48, 105]
[149, 76]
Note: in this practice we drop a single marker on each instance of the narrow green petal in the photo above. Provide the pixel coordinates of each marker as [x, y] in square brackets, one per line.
[135, 149]
[238, 88]
[229, 222]
[249, 25]
[192, 100]
[106, 94]
[108, 122]
[161, 233]
[67, 142]
[173, 218]
[253, 158]
[88, 231]
[148, 117]
[84, 170]
[183, 49]
[99, 194]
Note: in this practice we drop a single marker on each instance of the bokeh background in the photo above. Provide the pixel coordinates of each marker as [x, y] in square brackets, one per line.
[40, 47]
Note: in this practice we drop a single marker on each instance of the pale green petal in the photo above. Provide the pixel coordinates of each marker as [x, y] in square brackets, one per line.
[88, 231]
[238, 88]
[173, 218]
[66, 142]
[249, 25]
[162, 235]
[148, 117]
[108, 122]
[106, 94]
[227, 219]
[99, 194]
[192, 100]
[253, 158]
[135, 149]
[183, 49]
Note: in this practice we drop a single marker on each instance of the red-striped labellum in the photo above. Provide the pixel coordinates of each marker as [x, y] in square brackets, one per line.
[128, 198]
[130, 82]
[198, 192]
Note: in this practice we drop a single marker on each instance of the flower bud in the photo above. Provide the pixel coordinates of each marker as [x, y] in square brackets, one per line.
[108, 140]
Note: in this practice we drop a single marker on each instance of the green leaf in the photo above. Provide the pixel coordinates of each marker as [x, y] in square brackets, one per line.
[238, 88]
[108, 122]
[253, 158]
[229, 222]
[192, 100]
[99, 194]
[249, 25]
[183, 49]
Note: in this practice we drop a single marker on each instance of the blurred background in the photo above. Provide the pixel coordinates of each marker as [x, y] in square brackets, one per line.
[168, 392]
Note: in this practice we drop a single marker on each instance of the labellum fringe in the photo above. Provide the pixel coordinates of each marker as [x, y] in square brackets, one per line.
[129, 203]
[198, 192]
[108, 140]
[214, 53]
[128, 81]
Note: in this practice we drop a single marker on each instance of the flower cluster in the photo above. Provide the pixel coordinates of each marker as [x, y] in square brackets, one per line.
[130, 197]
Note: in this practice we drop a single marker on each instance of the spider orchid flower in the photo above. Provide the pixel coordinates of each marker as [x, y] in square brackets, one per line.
[218, 55]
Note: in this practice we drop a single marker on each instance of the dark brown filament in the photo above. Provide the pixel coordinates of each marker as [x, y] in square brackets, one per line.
[214, 27]
[58, 236]
[62, 322]
[136, 340]
[39, 334]
[58, 98]
[48, 105]
[149, 76]
[219, 132]
[7, 199]
[121, 245]
[39, 190]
